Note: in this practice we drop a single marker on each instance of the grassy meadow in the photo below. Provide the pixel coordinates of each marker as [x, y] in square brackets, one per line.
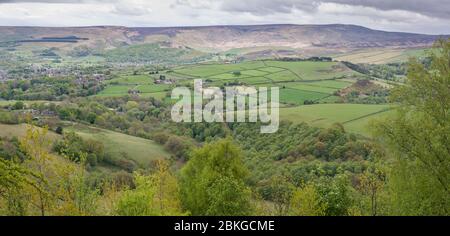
[354, 117]
[143, 83]
[381, 56]
[21, 130]
[143, 151]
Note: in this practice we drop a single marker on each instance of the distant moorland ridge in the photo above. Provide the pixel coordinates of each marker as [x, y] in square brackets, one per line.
[308, 38]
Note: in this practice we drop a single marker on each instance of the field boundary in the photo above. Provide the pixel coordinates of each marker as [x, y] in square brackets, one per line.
[368, 115]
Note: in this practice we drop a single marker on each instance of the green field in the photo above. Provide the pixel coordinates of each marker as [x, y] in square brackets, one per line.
[152, 88]
[143, 151]
[226, 76]
[254, 80]
[296, 93]
[142, 83]
[271, 69]
[298, 97]
[309, 87]
[158, 95]
[309, 70]
[335, 84]
[133, 79]
[116, 90]
[362, 125]
[354, 117]
[298, 81]
[206, 71]
[253, 73]
[381, 56]
[283, 76]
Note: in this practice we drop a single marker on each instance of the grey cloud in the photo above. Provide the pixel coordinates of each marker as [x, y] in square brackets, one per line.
[42, 1]
[261, 7]
[431, 8]
[56, 1]
[130, 10]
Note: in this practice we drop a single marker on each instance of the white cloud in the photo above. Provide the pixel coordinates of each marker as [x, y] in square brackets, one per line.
[132, 8]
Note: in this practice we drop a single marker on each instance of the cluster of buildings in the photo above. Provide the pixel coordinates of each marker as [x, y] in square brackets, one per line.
[84, 79]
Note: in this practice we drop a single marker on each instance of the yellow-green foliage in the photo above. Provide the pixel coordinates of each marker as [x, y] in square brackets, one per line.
[419, 138]
[154, 195]
[212, 182]
[306, 202]
[44, 184]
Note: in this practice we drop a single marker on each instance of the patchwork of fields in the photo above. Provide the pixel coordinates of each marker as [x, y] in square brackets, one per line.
[274, 71]
[299, 82]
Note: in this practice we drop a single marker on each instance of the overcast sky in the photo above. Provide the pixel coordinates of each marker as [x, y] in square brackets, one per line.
[422, 16]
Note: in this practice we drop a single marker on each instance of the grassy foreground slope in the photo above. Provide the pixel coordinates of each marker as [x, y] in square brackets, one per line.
[20, 131]
[143, 151]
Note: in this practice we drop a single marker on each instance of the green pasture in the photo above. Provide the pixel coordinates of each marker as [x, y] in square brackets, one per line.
[143, 151]
[354, 117]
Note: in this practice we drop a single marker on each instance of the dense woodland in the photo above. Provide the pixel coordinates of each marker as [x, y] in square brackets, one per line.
[230, 169]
